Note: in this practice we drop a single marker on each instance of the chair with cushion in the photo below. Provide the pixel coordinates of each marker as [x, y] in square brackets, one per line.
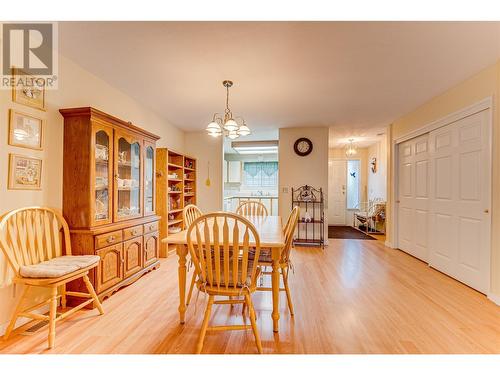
[33, 240]
[252, 208]
[219, 245]
[265, 259]
[190, 214]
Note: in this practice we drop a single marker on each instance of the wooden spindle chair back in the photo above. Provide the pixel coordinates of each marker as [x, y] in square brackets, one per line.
[33, 235]
[289, 232]
[221, 263]
[190, 214]
[252, 208]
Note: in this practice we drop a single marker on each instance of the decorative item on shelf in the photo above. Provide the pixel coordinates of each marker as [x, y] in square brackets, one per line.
[101, 153]
[123, 157]
[28, 90]
[373, 165]
[351, 149]
[307, 217]
[171, 217]
[174, 229]
[173, 176]
[25, 130]
[101, 205]
[188, 164]
[101, 183]
[227, 125]
[25, 173]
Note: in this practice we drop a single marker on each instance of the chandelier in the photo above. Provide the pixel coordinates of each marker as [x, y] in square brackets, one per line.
[351, 149]
[227, 125]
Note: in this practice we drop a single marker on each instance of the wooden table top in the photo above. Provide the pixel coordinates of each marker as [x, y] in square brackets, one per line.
[270, 230]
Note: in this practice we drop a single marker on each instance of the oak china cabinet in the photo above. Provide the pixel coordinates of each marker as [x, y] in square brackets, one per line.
[109, 197]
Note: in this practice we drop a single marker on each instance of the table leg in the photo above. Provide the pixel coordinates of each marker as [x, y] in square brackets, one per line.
[182, 253]
[276, 288]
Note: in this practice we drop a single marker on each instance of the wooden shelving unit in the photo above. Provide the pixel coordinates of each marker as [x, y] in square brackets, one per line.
[176, 188]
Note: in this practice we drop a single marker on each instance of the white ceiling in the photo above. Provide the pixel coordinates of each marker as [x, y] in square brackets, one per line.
[355, 77]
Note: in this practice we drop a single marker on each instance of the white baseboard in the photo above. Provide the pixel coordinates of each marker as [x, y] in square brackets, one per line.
[389, 244]
[22, 320]
[494, 298]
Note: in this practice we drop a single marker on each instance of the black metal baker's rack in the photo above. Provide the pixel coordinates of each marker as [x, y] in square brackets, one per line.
[310, 231]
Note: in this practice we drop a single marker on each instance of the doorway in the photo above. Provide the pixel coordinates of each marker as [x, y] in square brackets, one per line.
[344, 190]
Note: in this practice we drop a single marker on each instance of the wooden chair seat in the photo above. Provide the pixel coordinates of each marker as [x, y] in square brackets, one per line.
[58, 267]
[265, 257]
[240, 288]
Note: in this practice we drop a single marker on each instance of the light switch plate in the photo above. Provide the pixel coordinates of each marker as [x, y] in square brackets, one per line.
[285, 190]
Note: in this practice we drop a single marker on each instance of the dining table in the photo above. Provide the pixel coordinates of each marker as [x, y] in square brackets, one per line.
[270, 230]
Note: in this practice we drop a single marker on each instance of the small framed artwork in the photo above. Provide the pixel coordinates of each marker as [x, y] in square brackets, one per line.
[25, 130]
[25, 173]
[27, 91]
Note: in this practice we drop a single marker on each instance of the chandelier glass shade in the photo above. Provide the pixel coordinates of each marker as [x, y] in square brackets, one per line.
[351, 149]
[227, 125]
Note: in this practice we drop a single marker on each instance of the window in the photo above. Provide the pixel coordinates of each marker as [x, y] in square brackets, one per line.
[353, 176]
[260, 174]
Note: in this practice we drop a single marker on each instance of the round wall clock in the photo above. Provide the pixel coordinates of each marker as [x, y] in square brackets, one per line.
[303, 146]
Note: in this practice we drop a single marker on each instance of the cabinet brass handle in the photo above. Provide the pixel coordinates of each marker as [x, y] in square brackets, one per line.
[111, 239]
[134, 232]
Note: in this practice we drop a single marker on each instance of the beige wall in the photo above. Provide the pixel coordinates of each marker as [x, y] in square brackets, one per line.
[296, 171]
[207, 149]
[377, 182]
[77, 88]
[485, 83]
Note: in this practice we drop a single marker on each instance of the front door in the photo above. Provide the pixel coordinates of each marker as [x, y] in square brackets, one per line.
[337, 192]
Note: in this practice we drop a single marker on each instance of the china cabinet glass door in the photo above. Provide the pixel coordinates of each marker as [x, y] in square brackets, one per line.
[128, 178]
[149, 180]
[102, 176]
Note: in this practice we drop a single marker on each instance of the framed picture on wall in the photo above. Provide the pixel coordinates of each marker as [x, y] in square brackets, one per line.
[25, 130]
[27, 91]
[25, 173]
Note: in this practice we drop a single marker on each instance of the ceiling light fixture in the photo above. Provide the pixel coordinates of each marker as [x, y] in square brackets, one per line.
[227, 125]
[351, 149]
[255, 147]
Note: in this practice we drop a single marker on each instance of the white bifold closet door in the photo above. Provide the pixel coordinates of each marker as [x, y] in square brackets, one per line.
[460, 163]
[413, 204]
[444, 199]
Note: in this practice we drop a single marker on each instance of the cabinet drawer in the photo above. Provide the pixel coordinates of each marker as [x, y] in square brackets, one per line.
[108, 239]
[150, 227]
[132, 232]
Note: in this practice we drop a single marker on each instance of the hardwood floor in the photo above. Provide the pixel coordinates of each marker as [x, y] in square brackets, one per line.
[353, 297]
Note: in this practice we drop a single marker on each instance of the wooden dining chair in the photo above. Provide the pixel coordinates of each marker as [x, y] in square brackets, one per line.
[252, 208]
[219, 245]
[33, 240]
[265, 259]
[190, 214]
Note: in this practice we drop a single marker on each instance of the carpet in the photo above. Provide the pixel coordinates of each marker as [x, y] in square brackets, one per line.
[347, 233]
